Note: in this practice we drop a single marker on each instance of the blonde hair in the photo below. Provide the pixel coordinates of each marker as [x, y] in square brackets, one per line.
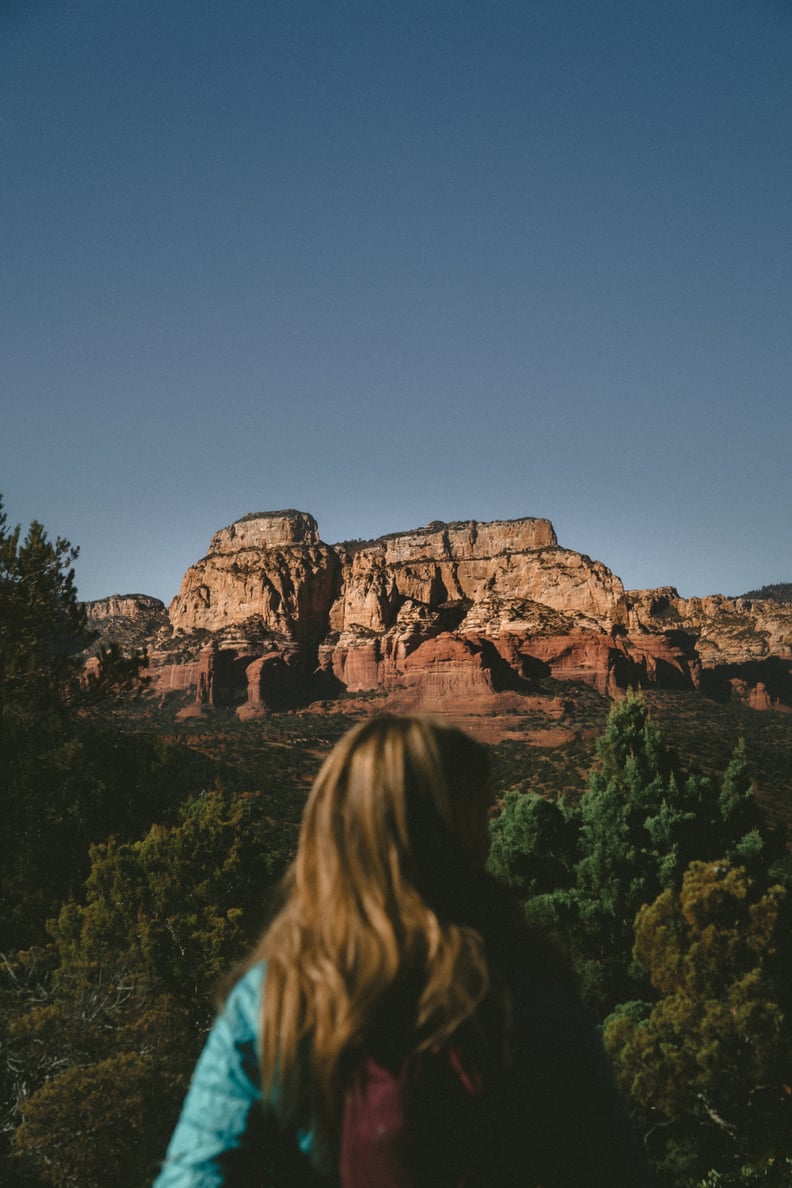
[373, 928]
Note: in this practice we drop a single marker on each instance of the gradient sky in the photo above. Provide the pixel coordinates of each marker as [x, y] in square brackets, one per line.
[392, 261]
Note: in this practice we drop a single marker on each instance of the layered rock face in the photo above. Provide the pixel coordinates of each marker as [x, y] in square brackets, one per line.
[130, 620]
[462, 617]
[743, 644]
[270, 568]
[267, 530]
[464, 565]
[124, 606]
[727, 630]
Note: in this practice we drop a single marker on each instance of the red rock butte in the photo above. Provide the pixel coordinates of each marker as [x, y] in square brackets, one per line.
[465, 618]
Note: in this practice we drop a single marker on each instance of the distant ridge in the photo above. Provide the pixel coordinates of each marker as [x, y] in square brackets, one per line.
[775, 592]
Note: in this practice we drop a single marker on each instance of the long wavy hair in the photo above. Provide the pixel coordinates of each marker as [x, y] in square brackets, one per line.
[380, 933]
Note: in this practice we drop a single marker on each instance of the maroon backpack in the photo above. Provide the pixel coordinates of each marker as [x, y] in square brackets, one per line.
[420, 1125]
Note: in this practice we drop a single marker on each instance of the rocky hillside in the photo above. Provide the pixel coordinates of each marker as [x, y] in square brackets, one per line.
[466, 618]
[130, 620]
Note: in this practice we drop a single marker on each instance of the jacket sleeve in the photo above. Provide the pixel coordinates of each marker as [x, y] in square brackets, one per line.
[573, 1125]
[221, 1131]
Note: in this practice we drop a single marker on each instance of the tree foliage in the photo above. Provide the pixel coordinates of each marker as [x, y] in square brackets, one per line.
[42, 624]
[709, 1064]
[66, 779]
[128, 995]
[774, 592]
[585, 871]
[42, 628]
[73, 1132]
[660, 885]
[534, 845]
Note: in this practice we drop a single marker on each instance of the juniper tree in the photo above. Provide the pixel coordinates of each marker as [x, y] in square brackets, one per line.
[123, 1009]
[709, 1064]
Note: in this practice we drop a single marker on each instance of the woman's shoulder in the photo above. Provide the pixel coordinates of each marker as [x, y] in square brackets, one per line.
[221, 1121]
[240, 1014]
[247, 988]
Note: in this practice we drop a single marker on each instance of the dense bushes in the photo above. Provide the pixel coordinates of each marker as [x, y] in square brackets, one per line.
[103, 1042]
[668, 891]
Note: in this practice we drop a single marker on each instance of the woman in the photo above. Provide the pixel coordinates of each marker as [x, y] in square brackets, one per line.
[397, 1024]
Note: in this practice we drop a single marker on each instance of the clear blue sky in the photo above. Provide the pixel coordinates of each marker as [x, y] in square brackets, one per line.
[391, 262]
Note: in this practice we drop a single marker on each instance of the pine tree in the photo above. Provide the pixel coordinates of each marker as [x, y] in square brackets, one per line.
[64, 782]
[635, 819]
[534, 845]
[42, 625]
[42, 629]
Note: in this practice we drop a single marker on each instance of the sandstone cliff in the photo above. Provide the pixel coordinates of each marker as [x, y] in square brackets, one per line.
[742, 643]
[462, 617]
[462, 565]
[727, 630]
[130, 620]
[271, 569]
